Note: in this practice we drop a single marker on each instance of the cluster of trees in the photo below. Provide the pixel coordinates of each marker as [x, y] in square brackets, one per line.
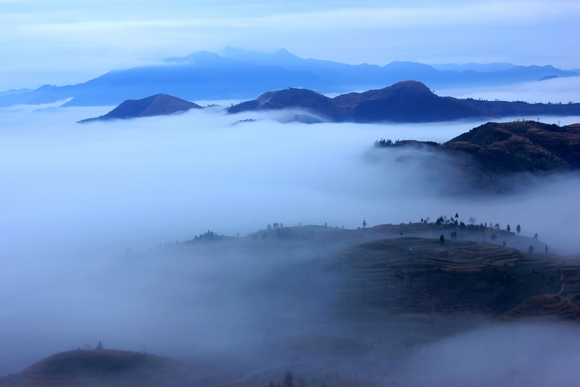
[290, 380]
[382, 143]
[281, 231]
[208, 236]
[88, 347]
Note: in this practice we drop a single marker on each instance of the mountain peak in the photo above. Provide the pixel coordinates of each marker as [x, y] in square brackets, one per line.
[155, 105]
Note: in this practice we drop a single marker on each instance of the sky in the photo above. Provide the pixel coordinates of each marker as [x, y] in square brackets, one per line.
[66, 42]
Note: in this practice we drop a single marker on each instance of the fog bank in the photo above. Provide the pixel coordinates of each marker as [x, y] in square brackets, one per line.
[75, 197]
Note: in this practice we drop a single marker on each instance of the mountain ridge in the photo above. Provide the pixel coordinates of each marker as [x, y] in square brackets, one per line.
[406, 101]
[240, 74]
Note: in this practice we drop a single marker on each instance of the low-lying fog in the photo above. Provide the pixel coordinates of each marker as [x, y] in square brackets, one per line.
[75, 197]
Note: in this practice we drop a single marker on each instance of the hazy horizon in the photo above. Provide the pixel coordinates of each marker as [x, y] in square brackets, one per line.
[69, 42]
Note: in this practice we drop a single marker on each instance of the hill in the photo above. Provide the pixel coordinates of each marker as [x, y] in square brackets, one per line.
[345, 307]
[241, 74]
[407, 101]
[118, 368]
[492, 158]
[423, 276]
[92, 367]
[155, 105]
[523, 146]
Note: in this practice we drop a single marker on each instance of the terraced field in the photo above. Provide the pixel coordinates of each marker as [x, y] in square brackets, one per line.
[346, 307]
[423, 289]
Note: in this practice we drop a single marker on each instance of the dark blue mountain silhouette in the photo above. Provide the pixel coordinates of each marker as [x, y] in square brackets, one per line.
[240, 74]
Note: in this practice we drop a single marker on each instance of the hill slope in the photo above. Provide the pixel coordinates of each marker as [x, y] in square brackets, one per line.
[492, 158]
[113, 368]
[545, 307]
[523, 146]
[376, 300]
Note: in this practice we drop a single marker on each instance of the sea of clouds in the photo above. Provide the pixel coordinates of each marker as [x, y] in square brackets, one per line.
[75, 197]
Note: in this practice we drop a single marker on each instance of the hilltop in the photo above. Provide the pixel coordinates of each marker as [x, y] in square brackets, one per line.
[491, 158]
[522, 146]
[109, 367]
[407, 101]
[155, 105]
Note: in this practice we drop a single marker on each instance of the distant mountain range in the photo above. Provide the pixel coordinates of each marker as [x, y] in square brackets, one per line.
[407, 101]
[241, 74]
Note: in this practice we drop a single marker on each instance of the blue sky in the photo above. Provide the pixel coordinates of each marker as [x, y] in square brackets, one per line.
[64, 42]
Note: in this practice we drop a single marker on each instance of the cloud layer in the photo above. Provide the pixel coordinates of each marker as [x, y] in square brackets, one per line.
[75, 197]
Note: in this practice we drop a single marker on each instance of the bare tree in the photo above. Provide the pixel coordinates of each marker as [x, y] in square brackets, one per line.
[288, 379]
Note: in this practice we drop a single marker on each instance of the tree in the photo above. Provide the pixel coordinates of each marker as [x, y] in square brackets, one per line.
[493, 236]
[472, 220]
[99, 346]
[456, 215]
[531, 249]
[288, 379]
[508, 228]
[546, 250]
[536, 236]
[518, 229]
[364, 223]
[441, 239]
[503, 243]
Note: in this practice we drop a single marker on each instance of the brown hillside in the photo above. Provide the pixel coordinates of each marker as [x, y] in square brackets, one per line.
[422, 276]
[544, 307]
[524, 146]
